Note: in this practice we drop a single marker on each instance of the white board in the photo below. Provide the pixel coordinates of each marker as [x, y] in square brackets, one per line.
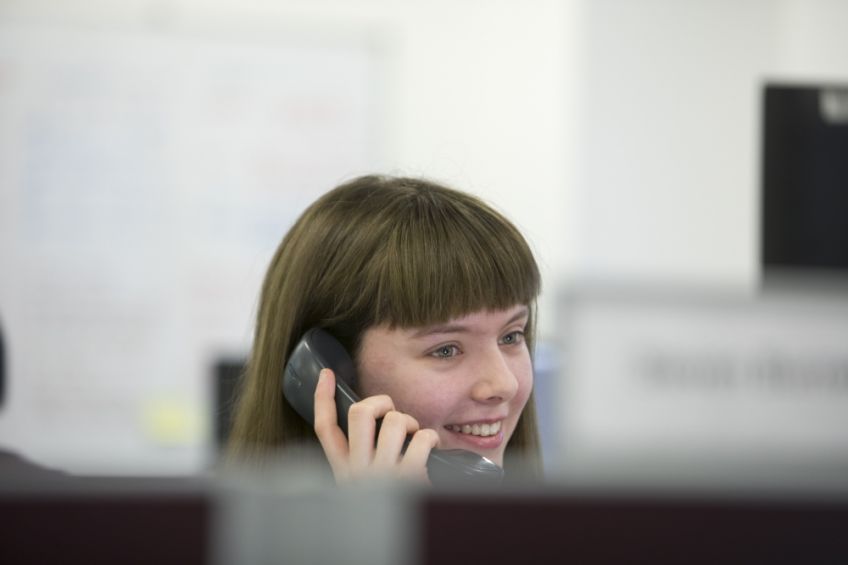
[145, 180]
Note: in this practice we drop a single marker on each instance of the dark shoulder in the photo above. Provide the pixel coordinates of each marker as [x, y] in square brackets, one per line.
[13, 465]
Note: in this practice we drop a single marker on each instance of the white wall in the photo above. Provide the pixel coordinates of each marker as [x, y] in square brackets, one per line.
[811, 43]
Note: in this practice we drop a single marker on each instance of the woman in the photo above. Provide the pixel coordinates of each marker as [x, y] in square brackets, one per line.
[433, 294]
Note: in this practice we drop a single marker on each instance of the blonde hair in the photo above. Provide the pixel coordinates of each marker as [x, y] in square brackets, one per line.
[379, 250]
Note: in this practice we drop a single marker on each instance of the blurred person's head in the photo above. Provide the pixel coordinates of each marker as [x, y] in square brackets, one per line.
[372, 262]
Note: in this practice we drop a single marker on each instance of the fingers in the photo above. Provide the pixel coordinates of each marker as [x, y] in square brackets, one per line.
[332, 439]
[362, 427]
[396, 426]
[414, 462]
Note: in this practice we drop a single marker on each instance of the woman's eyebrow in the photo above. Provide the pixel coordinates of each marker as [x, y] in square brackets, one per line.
[523, 313]
[446, 329]
[460, 328]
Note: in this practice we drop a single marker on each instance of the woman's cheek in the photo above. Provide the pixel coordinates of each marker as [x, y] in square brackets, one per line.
[430, 413]
[524, 374]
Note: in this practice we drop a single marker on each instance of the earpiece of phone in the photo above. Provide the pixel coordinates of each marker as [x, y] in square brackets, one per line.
[319, 350]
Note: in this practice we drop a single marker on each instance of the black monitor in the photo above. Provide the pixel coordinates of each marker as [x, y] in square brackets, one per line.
[805, 178]
[226, 374]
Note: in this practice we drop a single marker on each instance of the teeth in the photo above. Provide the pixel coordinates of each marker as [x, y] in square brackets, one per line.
[483, 430]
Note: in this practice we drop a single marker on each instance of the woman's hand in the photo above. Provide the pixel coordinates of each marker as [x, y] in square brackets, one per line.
[356, 455]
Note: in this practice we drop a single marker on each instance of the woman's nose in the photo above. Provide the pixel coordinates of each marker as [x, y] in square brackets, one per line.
[495, 380]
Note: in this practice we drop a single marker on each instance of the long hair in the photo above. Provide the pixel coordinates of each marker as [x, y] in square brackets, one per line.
[379, 250]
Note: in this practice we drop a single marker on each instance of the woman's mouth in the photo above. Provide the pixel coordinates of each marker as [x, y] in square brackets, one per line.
[483, 430]
[485, 438]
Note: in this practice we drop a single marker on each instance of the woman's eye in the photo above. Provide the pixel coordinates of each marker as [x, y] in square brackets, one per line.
[446, 352]
[513, 338]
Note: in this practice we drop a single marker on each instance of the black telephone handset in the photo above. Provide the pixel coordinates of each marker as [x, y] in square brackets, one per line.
[319, 350]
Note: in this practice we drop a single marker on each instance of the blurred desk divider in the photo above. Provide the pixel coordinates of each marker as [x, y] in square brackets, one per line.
[290, 516]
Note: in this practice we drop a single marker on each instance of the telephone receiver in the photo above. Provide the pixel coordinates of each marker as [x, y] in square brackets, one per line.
[318, 350]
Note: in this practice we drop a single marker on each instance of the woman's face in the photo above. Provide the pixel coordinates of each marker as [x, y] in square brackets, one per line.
[468, 379]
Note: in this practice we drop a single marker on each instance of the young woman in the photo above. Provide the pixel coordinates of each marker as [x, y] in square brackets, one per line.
[433, 294]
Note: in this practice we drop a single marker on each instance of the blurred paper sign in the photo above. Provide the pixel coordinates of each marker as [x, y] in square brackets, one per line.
[685, 380]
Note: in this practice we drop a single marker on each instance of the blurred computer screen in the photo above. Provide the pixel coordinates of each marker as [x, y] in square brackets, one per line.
[805, 177]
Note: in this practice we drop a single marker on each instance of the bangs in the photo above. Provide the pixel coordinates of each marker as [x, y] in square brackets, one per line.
[448, 257]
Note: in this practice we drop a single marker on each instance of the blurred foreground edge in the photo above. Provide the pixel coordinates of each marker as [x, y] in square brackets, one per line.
[607, 529]
[180, 521]
[69, 520]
